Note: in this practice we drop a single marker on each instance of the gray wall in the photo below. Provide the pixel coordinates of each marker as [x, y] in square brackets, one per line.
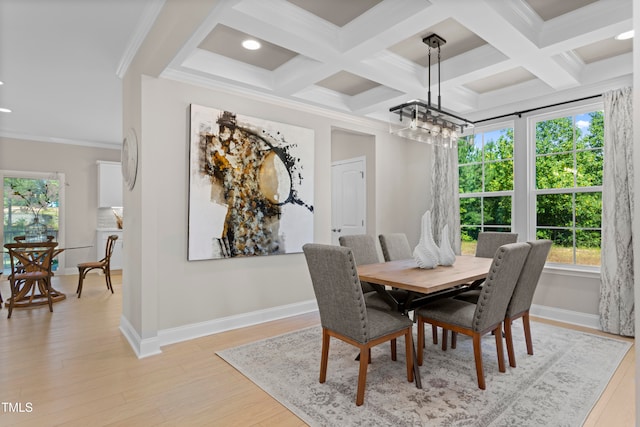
[191, 292]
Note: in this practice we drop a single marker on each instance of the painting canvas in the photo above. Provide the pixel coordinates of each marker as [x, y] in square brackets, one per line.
[250, 186]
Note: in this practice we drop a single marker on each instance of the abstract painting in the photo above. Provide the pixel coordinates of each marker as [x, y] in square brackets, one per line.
[250, 186]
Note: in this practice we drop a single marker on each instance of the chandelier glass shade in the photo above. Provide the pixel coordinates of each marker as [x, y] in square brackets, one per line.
[420, 121]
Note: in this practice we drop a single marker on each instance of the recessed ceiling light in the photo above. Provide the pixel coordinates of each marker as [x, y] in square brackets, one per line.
[251, 44]
[1, 82]
[5, 110]
[625, 36]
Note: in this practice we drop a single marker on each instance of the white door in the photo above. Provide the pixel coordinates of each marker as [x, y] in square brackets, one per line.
[348, 198]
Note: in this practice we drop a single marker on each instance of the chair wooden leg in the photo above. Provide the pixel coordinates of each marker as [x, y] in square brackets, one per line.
[47, 283]
[11, 299]
[362, 375]
[325, 355]
[477, 353]
[454, 339]
[81, 273]
[434, 332]
[408, 339]
[445, 334]
[508, 336]
[527, 332]
[420, 340]
[107, 274]
[499, 348]
[394, 352]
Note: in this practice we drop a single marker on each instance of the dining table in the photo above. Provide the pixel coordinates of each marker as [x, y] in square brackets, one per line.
[425, 285]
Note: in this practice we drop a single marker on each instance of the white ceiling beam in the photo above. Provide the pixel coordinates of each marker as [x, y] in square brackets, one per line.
[380, 95]
[227, 68]
[592, 23]
[510, 39]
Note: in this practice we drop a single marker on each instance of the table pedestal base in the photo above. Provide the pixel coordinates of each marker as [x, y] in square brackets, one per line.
[34, 294]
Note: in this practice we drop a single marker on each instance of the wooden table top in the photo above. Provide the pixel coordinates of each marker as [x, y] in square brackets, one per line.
[405, 274]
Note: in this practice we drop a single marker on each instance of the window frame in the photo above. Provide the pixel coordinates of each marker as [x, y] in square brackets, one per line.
[484, 194]
[533, 192]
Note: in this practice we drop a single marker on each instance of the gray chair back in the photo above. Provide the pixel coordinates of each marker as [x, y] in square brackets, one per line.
[395, 246]
[337, 288]
[528, 281]
[490, 241]
[364, 252]
[499, 285]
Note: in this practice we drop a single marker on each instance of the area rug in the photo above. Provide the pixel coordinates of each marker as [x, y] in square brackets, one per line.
[557, 386]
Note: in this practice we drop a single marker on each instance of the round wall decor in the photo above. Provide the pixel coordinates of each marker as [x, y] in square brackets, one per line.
[129, 158]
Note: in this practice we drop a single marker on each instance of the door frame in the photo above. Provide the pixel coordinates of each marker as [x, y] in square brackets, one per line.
[365, 180]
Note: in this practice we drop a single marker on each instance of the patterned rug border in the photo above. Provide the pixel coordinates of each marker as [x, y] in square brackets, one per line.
[277, 393]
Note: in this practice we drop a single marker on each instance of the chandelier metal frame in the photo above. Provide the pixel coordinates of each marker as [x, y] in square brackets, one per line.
[422, 121]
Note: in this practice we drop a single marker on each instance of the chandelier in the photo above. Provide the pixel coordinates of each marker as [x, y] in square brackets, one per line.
[420, 121]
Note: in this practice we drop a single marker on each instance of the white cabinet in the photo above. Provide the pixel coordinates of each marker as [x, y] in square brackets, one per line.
[101, 245]
[109, 184]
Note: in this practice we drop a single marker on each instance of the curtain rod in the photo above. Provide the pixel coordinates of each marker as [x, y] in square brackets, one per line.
[520, 113]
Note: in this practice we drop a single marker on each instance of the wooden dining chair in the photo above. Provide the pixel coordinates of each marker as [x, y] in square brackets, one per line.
[522, 297]
[104, 264]
[344, 314]
[30, 272]
[364, 250]
[488, 244]
[476, 320]
[395, 246]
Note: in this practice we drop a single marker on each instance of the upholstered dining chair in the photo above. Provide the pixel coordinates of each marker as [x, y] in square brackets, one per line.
[30, 272]
[365, 252]
[104, 264]
[490, 241]
[395, 246]
[522, 297]
[363, 248]
[476, 320]
[344, 314]
[488, 244]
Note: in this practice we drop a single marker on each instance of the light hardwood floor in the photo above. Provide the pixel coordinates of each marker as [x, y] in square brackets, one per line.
[74, 368]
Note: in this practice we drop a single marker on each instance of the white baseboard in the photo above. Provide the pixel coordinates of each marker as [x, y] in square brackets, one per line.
[196, 330]
[142, 348]
[566, 316]
[152, 346]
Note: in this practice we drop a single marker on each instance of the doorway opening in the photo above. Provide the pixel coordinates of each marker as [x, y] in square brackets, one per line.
[353, 183]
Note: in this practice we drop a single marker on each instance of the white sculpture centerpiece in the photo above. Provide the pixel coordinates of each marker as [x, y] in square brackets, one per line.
[427, 254]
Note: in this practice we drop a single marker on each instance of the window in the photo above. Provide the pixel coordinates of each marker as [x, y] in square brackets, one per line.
[485, 166]
[568, 185]
[27, 198]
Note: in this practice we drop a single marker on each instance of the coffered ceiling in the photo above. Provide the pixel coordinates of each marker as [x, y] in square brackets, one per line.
[357, 57]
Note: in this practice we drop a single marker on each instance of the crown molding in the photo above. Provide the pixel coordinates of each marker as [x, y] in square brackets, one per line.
[151, 12]
[40, 138]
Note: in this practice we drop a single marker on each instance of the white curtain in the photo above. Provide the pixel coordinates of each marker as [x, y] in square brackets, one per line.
[616, 291]
[446, 202]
